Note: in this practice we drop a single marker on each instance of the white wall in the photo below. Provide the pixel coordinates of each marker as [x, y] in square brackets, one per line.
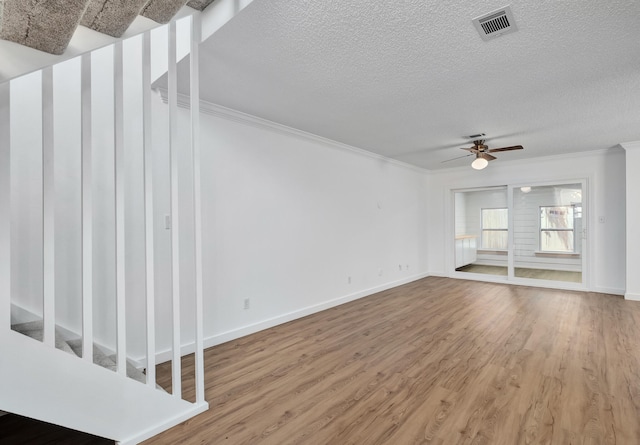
[289, 220]
[460, 214]
[605, 172]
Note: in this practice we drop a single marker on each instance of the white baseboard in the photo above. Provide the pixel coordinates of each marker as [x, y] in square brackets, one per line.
[21, 315]
[631, 296]
[438, 274]
[233, 334]
[608, 290]
[556, 285]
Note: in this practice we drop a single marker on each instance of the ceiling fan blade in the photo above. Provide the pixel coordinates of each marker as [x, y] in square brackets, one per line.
[515, 147]
[459, 157]
[486, 156]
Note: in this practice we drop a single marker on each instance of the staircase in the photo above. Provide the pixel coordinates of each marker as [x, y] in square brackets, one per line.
[48, 25]
[74, 108]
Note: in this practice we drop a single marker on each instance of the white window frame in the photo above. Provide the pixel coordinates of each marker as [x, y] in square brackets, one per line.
[482, 229]
[572, 230]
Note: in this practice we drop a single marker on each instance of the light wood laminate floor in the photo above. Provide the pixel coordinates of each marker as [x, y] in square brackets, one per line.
[436, 361]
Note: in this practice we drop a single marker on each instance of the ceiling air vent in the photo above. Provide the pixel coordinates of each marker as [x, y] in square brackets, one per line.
[495, 23]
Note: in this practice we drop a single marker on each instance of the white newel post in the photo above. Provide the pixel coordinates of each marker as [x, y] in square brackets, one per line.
[632, 162]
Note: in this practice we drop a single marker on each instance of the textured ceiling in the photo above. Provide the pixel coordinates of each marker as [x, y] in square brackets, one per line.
[410, 79]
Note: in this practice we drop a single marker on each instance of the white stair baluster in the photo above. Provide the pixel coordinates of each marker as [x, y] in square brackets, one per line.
[147, 160]
[176, 369]
[5, 206]
[87, 211]
[121, 301]
[197, 202]
[48, 209]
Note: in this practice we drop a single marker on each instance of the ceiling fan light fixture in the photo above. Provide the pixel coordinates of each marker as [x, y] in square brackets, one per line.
[479, 163]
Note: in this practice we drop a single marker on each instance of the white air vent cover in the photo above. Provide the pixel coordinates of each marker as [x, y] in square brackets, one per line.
[495, 23]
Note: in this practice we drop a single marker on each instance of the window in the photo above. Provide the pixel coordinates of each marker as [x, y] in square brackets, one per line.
[557, 228]
[495, 226]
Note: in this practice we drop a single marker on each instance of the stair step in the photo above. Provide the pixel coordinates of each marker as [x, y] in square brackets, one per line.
[112, 17]
[44, 25]
[99, 357]
[162, 11]
[107, 361]
[35, 330]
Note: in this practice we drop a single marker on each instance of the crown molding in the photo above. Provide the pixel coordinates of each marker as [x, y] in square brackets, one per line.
[212, 109]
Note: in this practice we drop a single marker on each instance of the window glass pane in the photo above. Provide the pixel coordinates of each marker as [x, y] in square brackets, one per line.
[494, 239]
[556, 240]
[556, 217]
[495, 219]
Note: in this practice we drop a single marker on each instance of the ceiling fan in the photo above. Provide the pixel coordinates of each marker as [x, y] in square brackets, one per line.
[481, 152]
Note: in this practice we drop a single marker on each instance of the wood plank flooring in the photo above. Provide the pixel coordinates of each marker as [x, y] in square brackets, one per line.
[437, 361]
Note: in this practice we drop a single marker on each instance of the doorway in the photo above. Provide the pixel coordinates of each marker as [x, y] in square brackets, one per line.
[533, 234]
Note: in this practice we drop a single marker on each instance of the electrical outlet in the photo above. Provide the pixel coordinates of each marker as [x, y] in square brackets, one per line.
[247, 303]
[399, 266]
[349, 280]
[379, 272]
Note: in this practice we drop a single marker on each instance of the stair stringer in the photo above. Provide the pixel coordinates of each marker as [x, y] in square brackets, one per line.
[53, 386]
